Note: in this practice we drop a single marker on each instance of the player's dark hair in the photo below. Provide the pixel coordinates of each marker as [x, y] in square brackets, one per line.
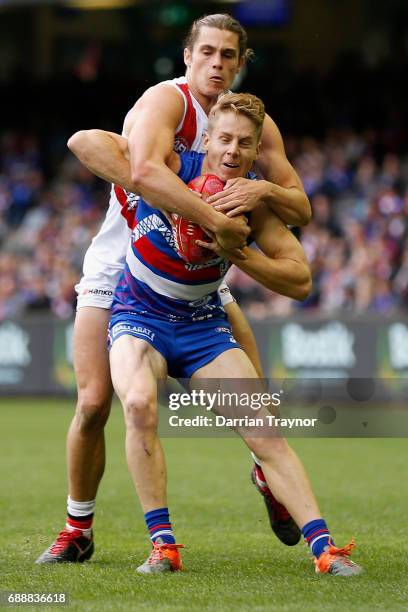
[222, 21]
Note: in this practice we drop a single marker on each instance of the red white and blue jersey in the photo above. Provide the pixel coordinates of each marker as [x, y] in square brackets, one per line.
[156, 280]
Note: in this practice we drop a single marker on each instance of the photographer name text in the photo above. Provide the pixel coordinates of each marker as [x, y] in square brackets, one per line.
[222, 421]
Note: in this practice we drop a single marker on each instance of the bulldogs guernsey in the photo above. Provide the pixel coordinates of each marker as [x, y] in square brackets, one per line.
[156, 281]
[104, 260]
[163, 300]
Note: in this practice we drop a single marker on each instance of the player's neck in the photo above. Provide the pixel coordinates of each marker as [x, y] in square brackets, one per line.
[206, 168]
[205, 102]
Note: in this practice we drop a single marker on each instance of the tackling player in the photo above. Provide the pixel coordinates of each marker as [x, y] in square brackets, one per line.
[167, 115]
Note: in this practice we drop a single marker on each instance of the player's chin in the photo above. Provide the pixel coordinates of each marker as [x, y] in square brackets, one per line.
[215, 88]
[225, 173]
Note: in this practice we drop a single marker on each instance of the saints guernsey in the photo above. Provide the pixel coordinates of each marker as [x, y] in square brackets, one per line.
[156, 281]
[105, 258]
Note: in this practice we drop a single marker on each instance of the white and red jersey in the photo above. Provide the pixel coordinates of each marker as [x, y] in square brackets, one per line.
[193, 126]
[105, 258]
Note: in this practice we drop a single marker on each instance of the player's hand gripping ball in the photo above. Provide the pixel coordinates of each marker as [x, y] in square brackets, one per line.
[186, 232]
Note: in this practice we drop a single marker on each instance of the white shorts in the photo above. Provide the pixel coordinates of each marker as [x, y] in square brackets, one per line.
[90, 293]
[104, 259]
[225, 294]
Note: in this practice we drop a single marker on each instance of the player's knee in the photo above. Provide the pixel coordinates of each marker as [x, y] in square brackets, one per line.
[92, 412]
[141, 412]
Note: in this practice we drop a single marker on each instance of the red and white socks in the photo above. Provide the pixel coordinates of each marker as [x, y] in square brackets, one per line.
[80, 516]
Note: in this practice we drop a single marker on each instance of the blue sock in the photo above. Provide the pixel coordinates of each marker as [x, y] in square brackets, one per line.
[317, 536]
[159, 526]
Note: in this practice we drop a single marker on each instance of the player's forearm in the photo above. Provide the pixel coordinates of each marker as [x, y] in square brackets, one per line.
[286, 276]
[290, 204]
[102, 155]
[163, 189]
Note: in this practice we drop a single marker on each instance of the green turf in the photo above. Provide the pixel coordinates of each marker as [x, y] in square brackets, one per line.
[232, 560]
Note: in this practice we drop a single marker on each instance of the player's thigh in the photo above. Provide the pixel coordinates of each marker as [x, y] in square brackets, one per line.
[135, 367]
[91, 359]
[233, 363]
[239, 389]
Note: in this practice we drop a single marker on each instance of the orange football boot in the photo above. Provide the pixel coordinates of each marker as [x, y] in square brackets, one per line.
[163, 558]
[336, 561]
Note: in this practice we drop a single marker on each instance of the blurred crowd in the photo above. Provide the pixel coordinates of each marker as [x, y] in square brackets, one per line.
[46, 225]
[356, 242]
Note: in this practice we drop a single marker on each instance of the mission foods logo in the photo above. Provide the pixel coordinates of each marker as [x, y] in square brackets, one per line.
[330, 346]
[398, 345]
[14, 343]
[15, 355]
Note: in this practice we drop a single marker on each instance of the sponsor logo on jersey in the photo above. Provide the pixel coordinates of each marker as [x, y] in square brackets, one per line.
[106, 292]
[209, 264]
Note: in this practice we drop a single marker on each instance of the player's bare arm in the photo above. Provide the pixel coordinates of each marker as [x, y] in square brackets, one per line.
[150, 144]
[282, 188]
[105, 154]
[282, 265]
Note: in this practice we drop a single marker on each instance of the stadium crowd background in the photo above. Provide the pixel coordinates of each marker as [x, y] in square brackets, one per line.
[344, 131]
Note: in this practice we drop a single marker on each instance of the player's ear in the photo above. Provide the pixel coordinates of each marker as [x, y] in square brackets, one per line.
[187, 57]
[241, 64]
[206, 141]
[258, 148]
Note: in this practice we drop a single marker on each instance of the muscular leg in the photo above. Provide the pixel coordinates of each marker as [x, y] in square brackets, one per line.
[284, 472]
[86, 441]
[135, 367]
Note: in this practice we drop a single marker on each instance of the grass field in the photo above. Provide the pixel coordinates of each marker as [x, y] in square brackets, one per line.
[233, 561]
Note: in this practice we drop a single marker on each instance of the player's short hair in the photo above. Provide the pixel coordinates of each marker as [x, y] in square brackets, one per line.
[222, 21]
[242, 104]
